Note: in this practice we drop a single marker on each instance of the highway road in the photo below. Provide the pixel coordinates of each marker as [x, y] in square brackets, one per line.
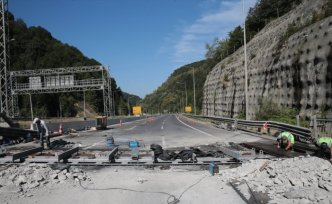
[123, 184]
[169, 131]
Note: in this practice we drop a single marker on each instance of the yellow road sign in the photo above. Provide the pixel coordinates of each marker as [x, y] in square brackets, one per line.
[137, 110]
[188, 109]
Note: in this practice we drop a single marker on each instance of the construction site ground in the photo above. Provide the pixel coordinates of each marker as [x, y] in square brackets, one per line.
[293, 178]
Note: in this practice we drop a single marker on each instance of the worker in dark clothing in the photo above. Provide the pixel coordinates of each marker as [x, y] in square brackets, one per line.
[157, 151]
[285, 140]
[325, 145]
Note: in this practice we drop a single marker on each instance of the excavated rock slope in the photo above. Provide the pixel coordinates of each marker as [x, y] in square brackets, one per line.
[294, 71]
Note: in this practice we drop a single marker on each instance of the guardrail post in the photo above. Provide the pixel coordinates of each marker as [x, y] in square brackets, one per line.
[314, 127]
[235, 124]
[298, 120]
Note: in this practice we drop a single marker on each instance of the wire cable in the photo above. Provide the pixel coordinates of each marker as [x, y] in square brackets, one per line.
[191, 187]
[132, 190]
[172, 199]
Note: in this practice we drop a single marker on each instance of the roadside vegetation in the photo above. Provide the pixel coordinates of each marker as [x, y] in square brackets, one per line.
[169, 96]
[258, 17]
[270, 111]
[36, 48]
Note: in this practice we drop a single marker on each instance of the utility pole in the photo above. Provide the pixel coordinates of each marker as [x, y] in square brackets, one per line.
[245, 63]
[128, 106]
[185, 88]
[113, 103]
[84, 104]
[31, 110]
[59, 108]
[194, 91]
[182, 102]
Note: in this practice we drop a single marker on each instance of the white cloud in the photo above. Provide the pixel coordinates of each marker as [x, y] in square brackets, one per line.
[191, 45]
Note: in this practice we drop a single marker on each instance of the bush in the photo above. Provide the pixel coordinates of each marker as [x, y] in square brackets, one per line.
[270, 111]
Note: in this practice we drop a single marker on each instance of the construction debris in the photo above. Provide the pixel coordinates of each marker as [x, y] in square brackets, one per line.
[296, 180]
[61, 143]
[184, 154]
[25, 178]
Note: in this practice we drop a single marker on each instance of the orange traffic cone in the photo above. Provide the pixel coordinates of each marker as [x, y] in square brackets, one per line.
[60, 129]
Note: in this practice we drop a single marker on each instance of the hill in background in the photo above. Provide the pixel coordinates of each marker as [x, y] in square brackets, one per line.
[36, 48]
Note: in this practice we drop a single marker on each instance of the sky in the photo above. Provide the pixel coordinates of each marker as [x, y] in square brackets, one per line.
[141, 41]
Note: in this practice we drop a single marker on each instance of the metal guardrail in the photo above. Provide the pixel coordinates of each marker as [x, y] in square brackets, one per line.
[300, 133]
[324, 127]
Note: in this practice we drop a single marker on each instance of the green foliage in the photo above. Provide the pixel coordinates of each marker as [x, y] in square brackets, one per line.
[323, 112]
[170, 96]
[268, 110]
[220, 49]
[226, 78]
[263, 12]
[293, 28]
[328, 8]
[242, 115]
[35, 48]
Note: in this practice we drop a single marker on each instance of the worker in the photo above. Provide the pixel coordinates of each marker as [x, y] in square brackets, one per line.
[285, 139]
[42, 130]
[325, 144]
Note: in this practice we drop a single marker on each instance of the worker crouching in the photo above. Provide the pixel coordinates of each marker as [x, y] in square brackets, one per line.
[325, 144]
[285, 140]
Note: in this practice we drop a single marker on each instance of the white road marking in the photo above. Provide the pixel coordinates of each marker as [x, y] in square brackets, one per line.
[132, 128]
[94, 144]
[163, 141]
[205, 133]
[162, 127]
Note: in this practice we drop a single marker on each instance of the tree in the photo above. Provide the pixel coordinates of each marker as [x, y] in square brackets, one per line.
[35, 48]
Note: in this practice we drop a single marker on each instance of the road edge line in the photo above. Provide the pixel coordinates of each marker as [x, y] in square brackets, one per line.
[205, 133]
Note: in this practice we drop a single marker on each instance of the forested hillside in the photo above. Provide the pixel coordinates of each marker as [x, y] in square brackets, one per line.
[36, 48]
[168, 95]
[258, 17]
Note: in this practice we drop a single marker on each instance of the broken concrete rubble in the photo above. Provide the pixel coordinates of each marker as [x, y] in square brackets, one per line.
[296, 180]
[27, 177]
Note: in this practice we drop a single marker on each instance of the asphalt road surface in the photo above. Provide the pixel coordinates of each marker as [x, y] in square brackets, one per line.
[139, 184]
[166, 130]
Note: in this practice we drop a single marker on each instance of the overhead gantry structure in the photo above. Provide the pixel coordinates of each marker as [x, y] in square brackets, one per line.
[5, 96]
[40, 81]
[60, 80]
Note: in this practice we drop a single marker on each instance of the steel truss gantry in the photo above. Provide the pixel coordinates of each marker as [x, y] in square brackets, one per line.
[100, 82]
[5, 96]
